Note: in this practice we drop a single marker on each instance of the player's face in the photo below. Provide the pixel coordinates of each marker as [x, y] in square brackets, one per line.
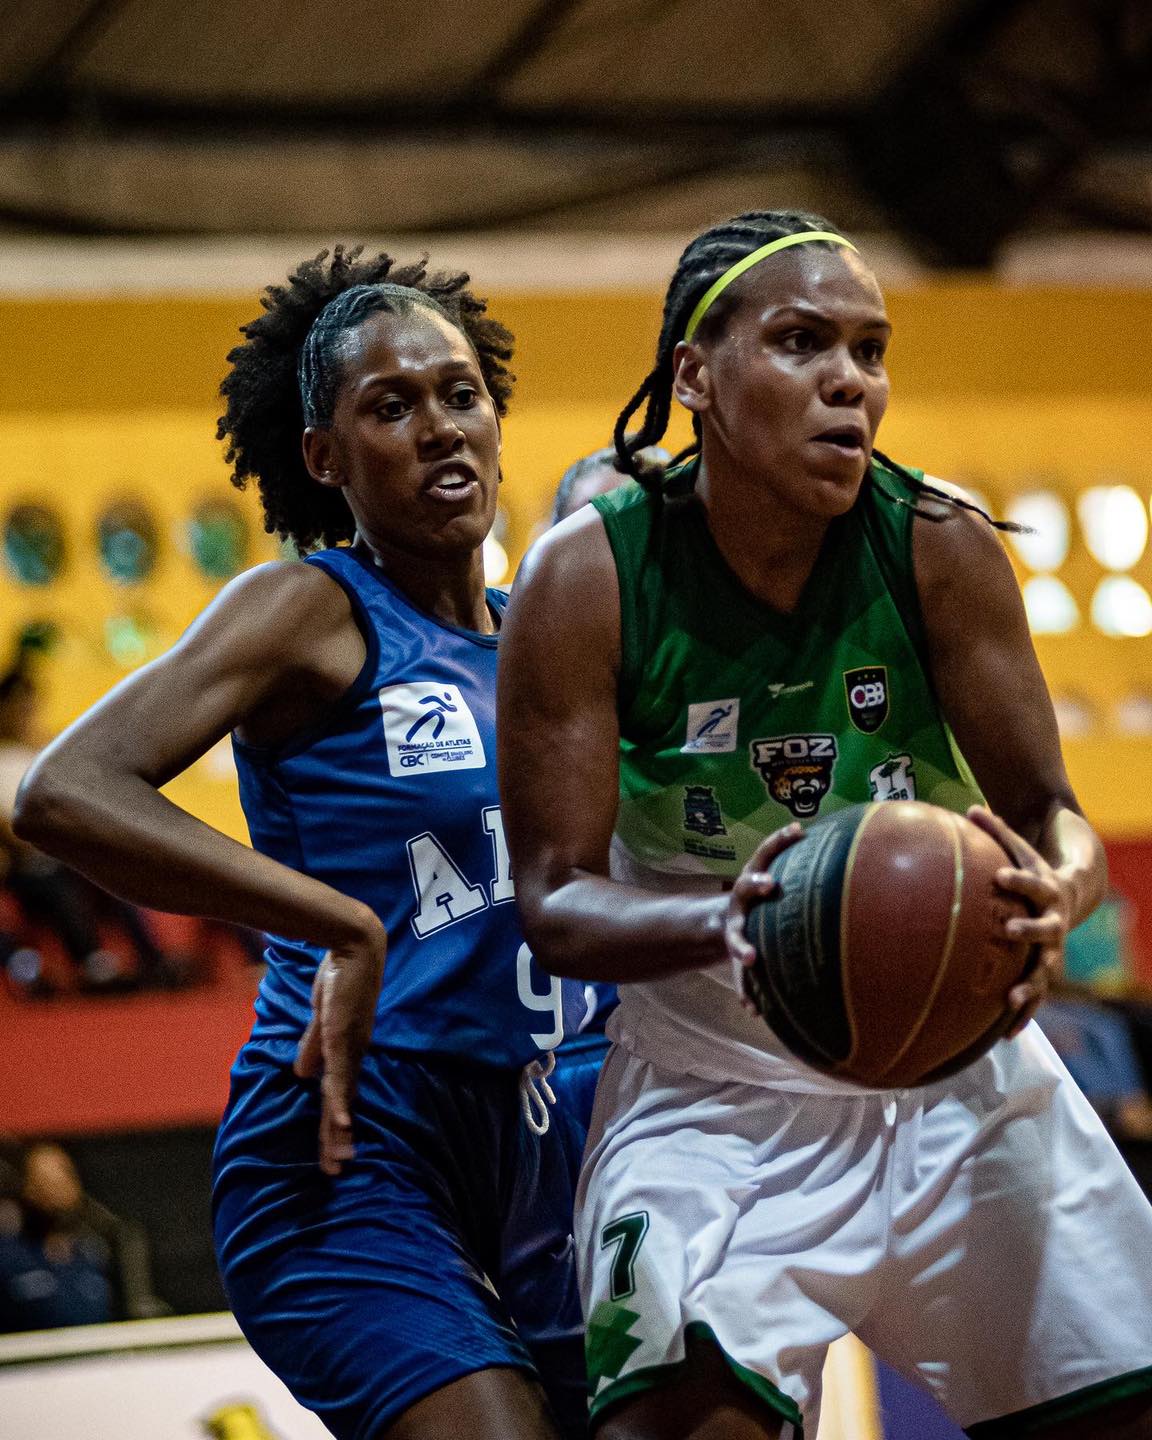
[793, 390]
[415, 438]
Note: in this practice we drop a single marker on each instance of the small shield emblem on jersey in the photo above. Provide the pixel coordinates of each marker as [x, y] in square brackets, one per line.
[867, 693]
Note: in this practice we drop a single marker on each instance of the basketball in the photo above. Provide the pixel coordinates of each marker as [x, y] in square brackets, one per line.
[881, 960]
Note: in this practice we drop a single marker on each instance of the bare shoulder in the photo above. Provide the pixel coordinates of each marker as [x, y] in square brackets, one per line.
[963, 574]
[566, 598]
[283, 608]
[285, 642]
[575, 551]
[290, 589]
[954, 546]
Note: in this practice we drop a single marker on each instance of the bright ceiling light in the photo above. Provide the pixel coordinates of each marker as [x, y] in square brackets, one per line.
[1121, 606]
[1051, 608]
[1115, 525]
[1075, 715]
[1133, 714]
[1046, 516]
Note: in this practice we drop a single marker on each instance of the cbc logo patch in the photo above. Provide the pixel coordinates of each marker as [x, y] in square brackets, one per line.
[429, 730]
[867, 693]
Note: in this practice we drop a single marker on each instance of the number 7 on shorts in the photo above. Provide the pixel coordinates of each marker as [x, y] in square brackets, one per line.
[626, 1234]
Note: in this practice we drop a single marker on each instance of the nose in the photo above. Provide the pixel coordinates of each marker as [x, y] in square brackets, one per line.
[842, 382]
[440, 433]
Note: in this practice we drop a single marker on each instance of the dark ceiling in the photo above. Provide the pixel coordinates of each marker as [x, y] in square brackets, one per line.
[954, 124]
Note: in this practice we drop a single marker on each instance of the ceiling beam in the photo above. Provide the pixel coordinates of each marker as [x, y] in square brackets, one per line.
[533, 35]
[72, 46]
[59, 112]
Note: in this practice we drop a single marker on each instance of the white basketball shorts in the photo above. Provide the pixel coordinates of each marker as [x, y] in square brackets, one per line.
[982, 1235]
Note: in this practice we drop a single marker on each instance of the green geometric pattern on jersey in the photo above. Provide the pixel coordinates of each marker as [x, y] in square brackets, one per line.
[694, 640]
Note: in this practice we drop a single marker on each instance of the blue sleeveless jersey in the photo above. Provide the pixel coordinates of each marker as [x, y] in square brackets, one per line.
[394, 801]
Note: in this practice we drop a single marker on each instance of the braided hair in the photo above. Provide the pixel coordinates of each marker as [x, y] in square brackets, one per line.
[703, 262]
[286, 375]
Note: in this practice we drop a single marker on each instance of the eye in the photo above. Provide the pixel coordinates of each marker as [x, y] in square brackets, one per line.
[463, 396]
[391, 408]
[872, 351]
[800, 342]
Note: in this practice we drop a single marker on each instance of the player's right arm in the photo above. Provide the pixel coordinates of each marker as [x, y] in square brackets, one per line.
[93, 797]
[559, 735]
[277, 646]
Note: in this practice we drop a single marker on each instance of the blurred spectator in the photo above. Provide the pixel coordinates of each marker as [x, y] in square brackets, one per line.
[64, 1258]
[594, 475]
[1096, 1033]
[49, 895]
[1098, 952]
[1095, 1042]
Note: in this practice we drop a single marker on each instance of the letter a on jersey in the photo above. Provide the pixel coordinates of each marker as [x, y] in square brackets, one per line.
[444, 893]
[866, 690]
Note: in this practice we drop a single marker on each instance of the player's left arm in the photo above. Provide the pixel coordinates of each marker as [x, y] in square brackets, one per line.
[993, 696]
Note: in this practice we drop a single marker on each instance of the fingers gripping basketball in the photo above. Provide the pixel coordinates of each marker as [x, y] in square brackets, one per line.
[883, 959]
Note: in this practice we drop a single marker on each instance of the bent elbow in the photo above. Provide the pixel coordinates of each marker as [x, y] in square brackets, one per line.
[40, 813]
[551, 937]
[538, 934]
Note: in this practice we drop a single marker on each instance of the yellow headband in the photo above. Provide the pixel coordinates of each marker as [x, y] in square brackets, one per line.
[801, 238]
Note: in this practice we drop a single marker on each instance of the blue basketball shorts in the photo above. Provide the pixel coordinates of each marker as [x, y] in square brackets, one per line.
[444, 1248]
[577, 1073]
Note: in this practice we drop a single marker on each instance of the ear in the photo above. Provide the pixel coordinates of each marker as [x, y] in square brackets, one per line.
[321, 456]
[691, 378]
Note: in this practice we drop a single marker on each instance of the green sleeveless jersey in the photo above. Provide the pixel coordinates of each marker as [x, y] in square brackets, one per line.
[736, 719]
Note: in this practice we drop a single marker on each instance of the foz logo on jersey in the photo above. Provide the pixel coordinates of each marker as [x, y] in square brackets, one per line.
[712, 727]
[867, 692]
[796, 770]
[429, 727]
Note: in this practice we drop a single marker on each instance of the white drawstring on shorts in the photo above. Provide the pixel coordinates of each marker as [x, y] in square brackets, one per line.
[536, 1094]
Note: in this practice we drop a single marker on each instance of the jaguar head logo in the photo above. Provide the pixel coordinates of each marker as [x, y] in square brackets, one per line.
[800, 788]
[796, 770]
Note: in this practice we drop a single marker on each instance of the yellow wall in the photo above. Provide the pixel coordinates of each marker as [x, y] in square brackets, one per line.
[105, 399]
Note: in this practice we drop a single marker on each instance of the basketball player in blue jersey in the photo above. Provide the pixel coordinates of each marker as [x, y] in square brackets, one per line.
[739, 1211]
[416, 1280]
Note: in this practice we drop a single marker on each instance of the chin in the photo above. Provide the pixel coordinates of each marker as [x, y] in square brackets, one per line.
[464, 536]
[833, 497]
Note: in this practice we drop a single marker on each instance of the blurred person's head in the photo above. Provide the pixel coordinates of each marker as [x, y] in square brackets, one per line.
[18, 701]
[594, 475]
[11, 1185]
[51, 1188]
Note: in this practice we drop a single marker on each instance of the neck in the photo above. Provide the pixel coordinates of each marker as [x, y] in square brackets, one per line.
[450, 588]
[769, 545]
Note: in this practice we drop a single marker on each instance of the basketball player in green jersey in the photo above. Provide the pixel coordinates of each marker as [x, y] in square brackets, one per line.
[786, 624]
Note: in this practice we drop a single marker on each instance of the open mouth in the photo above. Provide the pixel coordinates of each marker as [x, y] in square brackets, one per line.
[451, 482]
[849, 440]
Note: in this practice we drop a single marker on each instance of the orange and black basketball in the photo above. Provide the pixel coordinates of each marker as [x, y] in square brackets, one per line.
[882, 960]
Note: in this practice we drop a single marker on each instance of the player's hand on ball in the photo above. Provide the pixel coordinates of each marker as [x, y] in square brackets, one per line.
[1035, 881]
[753, 884]
[344, 996]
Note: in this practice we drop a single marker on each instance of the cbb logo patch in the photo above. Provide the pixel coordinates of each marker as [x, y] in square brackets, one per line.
[867, 692]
